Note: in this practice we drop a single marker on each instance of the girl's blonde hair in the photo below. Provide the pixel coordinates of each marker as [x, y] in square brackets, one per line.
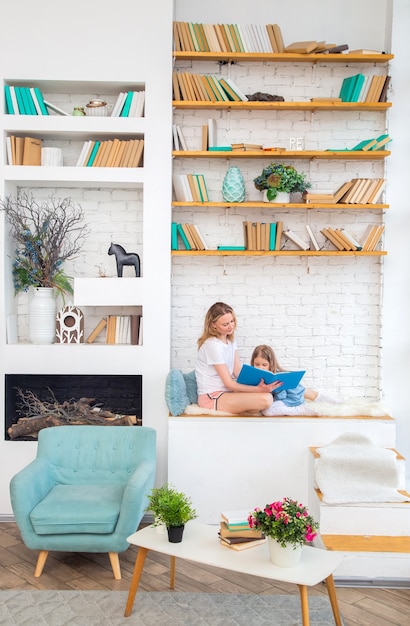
[266, 352]
[213, 314]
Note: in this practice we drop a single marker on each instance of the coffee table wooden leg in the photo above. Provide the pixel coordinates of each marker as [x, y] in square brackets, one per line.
[139, 564]
[331, 590]
[172, 573]
[303, 590]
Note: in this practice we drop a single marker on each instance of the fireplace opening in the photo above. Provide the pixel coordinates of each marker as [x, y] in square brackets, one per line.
[103, 395]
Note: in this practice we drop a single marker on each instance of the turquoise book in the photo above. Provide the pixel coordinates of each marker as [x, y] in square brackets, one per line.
[272, 236]
[183, 237]
[231, 248]
[30, 106]
[357, 87]
[40, 101]
[127, 105]
[174, 236]
[250, 375]
[93, 154]
[20, 101]
[9, 102]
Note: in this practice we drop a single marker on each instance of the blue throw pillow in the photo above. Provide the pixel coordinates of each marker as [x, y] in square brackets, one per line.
[191, 387]
[175, 392]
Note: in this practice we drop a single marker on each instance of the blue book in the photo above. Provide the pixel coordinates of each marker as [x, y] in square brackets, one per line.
[250, 375]
[127, 105]
[272, 236]
[183, 237]
[93, 154]
[9, 102]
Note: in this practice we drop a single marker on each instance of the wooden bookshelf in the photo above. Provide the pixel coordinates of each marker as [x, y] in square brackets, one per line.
[341, 155]
[252, 105]
[277, 205]
[284, 57]
[275, 253]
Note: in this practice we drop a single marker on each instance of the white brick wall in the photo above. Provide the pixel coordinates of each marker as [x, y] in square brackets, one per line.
[321, 314]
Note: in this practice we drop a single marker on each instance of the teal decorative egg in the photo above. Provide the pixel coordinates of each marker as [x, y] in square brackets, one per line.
[233, 186]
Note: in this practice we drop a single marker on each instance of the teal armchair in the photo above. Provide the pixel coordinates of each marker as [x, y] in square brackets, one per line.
[86, 491]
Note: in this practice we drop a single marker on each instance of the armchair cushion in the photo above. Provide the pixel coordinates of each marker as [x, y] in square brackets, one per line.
[78, 509]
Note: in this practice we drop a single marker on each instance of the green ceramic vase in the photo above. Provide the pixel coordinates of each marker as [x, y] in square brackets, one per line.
[233, 186]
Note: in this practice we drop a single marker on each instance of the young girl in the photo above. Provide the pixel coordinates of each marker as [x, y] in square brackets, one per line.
[218, 365]
[291, 401]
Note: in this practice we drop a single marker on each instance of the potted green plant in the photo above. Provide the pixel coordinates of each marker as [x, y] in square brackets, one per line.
[278, 178]
[172, 508]
[287, 525]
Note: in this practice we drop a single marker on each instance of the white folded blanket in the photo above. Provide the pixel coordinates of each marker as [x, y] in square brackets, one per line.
[353, 469]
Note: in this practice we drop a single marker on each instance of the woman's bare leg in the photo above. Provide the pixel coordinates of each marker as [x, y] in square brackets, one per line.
[243, 402]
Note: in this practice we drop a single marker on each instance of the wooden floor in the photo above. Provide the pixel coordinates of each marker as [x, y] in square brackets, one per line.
[359, 606]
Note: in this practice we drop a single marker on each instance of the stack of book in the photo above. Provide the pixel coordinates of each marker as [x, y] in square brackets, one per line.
[235, 532]
[194, 37]
[360, 88]
[111, 153]
[129, 104]
[355, 191]
[343, 240]
[205, 88]
[188, 235]
[24, 101]
[262, 235]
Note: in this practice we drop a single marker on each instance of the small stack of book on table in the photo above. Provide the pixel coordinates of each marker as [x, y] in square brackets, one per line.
[235, 532]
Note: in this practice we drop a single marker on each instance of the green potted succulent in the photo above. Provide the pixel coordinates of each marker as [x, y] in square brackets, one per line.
[278, 178]
[172, 508]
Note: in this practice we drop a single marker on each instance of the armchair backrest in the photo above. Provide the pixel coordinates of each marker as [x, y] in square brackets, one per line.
[96, 454]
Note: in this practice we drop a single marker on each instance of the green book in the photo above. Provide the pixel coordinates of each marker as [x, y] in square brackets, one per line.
[174, 236]
[40, 101]
[220, 149]
[231, 248]
[272, 236]
[93, 154]
[9, 102]
[127, 104]
[28, 101]
[347, 88]
[20, 101]
[357, 87]
[183, 237]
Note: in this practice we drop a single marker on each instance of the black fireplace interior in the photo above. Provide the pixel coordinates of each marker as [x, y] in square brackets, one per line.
[120, 394]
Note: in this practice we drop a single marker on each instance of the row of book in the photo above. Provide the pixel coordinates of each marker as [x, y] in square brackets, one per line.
[355, 191]
[24, 101]
[342, 239]
[190, 188]
[262, 235]
[23, 150]
[189, 236]
[361, 88]
[198, 37]
[205, 88]
[235, 533]
[111, 153]
[129, 104]
[119, 329]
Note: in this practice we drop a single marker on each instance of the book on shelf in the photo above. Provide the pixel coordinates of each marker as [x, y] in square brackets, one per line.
[10, 150]
[118, 104]
[312, 237]
[93, 154]
[272, 236]
[250, 375]
[181, 138]
[327, 232]
[184, 238]
[212, 141]
[371, 237]
[319, 198]
[296, 239]
[55, 108]
[301, 47]
[19, 150]
[279, 232]
[241, 546]
[32, 151]
[9, 102]
[385, 89]
[353, 241]
[97, 330]
[189, 235]
[127, 105]
[278, 37]
[246, 146]
[381, 141]
[344, 242]
[231, 248]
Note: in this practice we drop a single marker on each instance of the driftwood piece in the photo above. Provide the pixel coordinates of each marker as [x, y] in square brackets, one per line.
[31, 426]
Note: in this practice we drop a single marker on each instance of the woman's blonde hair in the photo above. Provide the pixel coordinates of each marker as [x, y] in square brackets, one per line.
[268, 354]
[213, 314]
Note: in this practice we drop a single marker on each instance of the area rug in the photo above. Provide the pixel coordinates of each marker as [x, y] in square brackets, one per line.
[106, 608]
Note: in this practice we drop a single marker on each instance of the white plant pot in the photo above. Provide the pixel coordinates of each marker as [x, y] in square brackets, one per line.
[282, 198]
[42, 316]
[284, 557]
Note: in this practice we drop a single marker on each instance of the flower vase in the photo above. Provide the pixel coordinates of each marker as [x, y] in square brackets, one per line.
[233, 186]
[284, 557]
[42, 316]
[282, 197]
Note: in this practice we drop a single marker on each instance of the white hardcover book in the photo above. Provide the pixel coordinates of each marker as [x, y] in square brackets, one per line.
[55, 108]
[35, 101]
[180, 189]
[312, 237]
[363, 91]
[9, 151]
[83, 153]
[255, 37]
[296, 239]
[212, 143]
[263, 38]
[249, 41]
[119, 103]
[351, 239]
[187, 189]
[134, 102]
[181, 138]
[140, 104]
[140, 332]
[235, 87]
[14, 100]
[244, 38]
[202, 240]
[175, 137]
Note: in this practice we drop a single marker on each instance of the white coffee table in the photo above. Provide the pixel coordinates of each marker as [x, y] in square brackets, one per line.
[200, 544]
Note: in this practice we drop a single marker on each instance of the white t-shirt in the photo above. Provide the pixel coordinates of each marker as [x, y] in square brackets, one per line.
[213, 352]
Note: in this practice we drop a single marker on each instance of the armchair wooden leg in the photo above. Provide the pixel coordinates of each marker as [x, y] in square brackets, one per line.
[115, 564]
[42, 558]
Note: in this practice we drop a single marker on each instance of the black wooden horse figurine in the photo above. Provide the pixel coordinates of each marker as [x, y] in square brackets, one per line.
[124, 258]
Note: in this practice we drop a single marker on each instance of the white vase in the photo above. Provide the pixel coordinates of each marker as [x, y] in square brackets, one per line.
[42, 316]
[283, 197]
[284, 557]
